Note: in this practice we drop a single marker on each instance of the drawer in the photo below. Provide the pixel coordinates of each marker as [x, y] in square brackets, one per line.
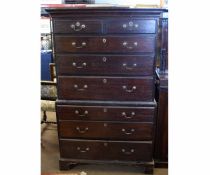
[105, 65]
[105, 113]
[106, 130]
[131, 26]
[106, 150]
[113, 44]
[77, 26]
[105, 88]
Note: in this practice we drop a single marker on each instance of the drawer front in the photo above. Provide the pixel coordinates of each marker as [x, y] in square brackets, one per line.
[105, 113]
[105, 88]
[131, 26]
[114, 44]
[77, 26]
[106, 150]
[104, 65]
[106, 130]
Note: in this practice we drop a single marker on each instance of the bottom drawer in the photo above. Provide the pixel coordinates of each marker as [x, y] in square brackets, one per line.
[106, 150]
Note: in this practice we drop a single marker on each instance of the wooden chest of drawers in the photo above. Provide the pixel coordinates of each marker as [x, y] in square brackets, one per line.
[105, 63]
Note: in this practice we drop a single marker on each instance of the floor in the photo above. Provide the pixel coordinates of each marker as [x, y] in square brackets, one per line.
[50, 156]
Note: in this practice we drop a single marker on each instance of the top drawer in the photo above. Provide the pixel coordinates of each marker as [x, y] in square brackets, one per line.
[77, 26]
[85, 26]
[131, 26]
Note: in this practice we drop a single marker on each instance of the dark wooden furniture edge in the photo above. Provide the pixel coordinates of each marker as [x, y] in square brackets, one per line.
[114, 11]
[116, 8]
[162, 79]
[161, 164]
[66, 164]
[162, 82]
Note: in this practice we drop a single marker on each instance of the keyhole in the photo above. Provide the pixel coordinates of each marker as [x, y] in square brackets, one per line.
[104, 40]
[78, 24]
[104, 59]
[104, 81]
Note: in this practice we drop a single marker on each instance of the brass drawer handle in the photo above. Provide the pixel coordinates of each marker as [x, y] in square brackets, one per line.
[81, 115]
[78, 47]
[126, 116]
[128, 152]
[128, 133]
[126, 45]
[83, 150]
[129, 68]
[80, 89]
[130, 26]
[129, 90]
[81, 130]
[77, 26]
[79, 67]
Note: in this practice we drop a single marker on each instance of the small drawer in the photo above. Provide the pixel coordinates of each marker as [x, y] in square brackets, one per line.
[131, 26]
[106, 44]
[105, 113]
[105, 65]
[77, 26]
[105, 88]
[105, 130]
[106, 150]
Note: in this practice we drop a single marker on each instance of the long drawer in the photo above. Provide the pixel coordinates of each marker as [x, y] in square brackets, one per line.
[105, 130]
[105, 64]
[106, 88]
[105, 113]
[106, 150]
[114, 44]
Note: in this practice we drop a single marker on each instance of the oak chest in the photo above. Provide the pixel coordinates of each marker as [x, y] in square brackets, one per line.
[105, 62]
